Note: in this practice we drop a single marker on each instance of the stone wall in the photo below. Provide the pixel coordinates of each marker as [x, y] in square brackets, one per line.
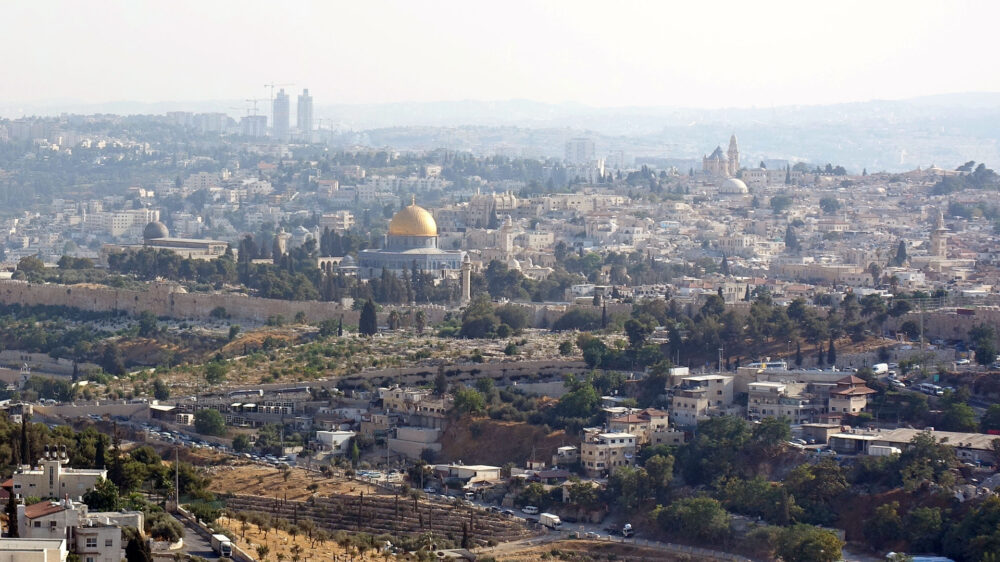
[164, 300]
[949, 324]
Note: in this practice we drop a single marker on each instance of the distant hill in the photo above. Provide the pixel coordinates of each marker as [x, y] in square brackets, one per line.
[893, 135]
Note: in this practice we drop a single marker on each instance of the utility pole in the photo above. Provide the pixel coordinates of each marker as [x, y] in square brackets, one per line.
[177, 479]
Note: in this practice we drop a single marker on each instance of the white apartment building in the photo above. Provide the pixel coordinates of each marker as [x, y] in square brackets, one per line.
[94, 537]
[603, 453]
[699, 397]
[338, 221]
[33, 550]
[52, 480]
[119, 223]
[334, 441]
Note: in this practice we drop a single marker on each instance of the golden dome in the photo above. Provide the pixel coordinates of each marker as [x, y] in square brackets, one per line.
[413, 221]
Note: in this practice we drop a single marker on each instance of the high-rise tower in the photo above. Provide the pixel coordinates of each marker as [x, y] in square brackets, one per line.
[304, 115]
[280, 116]
[734, 156]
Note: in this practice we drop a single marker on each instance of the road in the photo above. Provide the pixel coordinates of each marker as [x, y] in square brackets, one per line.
[195, 543]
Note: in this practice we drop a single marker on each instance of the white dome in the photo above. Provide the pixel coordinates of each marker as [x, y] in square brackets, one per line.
[733, 185]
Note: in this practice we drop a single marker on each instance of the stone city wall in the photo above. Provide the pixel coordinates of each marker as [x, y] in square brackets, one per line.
[950, 324]
[164, 300]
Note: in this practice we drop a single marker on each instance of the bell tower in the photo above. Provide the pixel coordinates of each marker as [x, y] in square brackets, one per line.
[734, 156]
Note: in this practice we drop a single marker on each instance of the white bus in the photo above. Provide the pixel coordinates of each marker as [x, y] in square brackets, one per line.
[932, 389]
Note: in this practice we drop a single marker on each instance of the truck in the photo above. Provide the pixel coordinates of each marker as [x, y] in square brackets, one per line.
[222, 545]
[627, 530]
[883, 450]
[549, 520]
[880, 368]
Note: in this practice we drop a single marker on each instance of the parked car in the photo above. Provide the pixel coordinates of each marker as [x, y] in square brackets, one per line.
[530, 510]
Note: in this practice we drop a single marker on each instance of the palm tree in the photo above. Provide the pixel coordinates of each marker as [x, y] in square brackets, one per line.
[296, 552]
[262, 551]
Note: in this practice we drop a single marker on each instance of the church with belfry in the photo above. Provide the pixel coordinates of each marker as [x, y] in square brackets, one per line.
[722, 164]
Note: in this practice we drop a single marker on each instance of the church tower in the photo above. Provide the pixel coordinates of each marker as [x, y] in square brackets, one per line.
[734, 156]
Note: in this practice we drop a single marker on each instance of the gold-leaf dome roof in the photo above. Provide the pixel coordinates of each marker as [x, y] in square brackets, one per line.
[413, 220]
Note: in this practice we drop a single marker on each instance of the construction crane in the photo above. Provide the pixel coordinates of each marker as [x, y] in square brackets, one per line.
[254, 102]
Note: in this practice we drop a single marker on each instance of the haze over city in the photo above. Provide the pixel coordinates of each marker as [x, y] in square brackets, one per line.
[701, 55]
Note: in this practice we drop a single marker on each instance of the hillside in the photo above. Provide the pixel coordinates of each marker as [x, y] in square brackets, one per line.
[486, 441]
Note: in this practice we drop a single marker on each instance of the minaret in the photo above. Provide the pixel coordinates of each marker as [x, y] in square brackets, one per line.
[734, 156]
[466, 279]
[506, 237]
[939, 238]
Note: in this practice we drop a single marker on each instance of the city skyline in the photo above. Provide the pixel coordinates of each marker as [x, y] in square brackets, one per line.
[642, 54]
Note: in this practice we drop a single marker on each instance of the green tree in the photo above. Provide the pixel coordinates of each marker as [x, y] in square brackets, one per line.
[638, 330]
[11, 511]
[368, 324]
[241, 443]
[661, 471]
[104, 496]
[806, 543]
[792, 244]
[136, 547]
[983, 338]
[468, 401]
[885, 526]
[209, 422]
[700, 518]
[922, 527]
[629, 486]
[829, 205]
[566, 348]
[215, 372]
[991, 418]
[160, 390]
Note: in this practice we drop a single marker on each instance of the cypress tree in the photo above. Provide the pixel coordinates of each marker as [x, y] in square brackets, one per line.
[831, 353]
[798, 354]
[12, 531]
[368, 324]
[819, 355]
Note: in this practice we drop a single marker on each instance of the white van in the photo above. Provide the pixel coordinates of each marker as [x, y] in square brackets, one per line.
[530, 510]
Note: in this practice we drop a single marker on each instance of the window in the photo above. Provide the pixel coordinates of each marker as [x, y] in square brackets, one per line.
[109, 542]
[91, 542]
[38, 524]
[91, 559]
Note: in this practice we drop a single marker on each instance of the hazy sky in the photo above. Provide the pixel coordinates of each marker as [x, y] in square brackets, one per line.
[609, 53]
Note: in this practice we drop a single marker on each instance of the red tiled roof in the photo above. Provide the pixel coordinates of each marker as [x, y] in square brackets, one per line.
[851, 379]
[853, 391]
[42, 509]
